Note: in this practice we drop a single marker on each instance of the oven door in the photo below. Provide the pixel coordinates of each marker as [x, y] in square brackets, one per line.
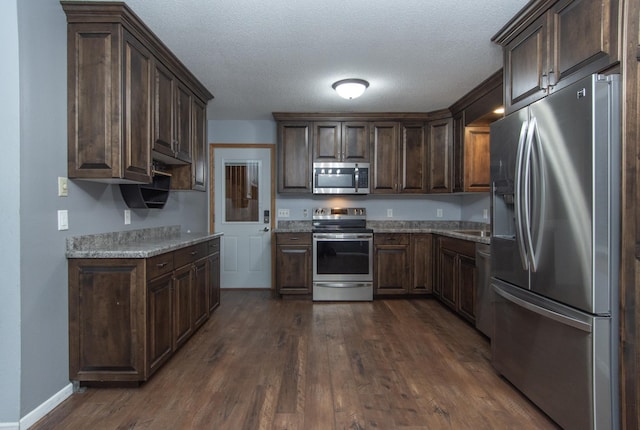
[342, 257]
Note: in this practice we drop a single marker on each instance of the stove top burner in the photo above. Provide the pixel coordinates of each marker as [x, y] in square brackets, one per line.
[340, 220]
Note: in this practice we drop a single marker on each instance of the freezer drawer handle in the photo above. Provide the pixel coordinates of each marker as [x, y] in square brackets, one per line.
[562, 319]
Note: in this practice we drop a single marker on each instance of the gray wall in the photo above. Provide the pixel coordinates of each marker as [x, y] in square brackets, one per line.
[10, 225]
[42, 364]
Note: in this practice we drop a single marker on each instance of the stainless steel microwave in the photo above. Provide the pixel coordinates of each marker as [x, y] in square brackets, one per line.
[340, 178]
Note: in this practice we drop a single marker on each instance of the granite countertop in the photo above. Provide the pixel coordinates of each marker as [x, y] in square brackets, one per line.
[141, 243]
[466, 230]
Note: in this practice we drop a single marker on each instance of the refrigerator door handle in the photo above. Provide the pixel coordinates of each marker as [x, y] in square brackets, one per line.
[518, 196]
[562, 319]
[526, 195]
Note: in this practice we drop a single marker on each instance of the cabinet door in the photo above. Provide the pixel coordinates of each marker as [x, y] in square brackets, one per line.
[466, 280]
[214, 281]
[391, 264]
[293, 269]
[183, 123]
[159, 321]
[355, 141]
[200, 291]
[327, 141]
[476, 159]
[447, 277]
[526, 62]
[93, 116]
[421, 264]
[440, 157]
[413, 159]
[584, 38]
[182, 305]
[384, 148]
[199, 146]
[163, 110]
[137, 135]
[107, 320]
[294, 157]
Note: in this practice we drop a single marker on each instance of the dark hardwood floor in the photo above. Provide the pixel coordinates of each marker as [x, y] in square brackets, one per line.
[263, 363]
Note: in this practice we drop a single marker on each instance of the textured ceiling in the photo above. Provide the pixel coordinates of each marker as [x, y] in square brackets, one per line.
[261, 56]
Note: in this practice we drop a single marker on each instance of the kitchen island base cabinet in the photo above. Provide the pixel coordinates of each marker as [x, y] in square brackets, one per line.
[128, 316]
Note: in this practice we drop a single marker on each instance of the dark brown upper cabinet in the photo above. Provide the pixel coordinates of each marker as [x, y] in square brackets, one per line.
[553, 44]
[130, 100]
[341, 141]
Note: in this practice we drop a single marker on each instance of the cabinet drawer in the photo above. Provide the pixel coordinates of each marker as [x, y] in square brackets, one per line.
[293, 238]
[391, 238]
[464, 247]
[159, 265]
[189, 254]
[214, 246]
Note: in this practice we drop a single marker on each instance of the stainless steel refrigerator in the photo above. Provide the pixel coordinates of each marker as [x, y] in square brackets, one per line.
[555, 174]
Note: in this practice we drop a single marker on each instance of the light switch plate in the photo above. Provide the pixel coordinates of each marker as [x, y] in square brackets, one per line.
[439, 213]
[63, 184]
[127, 216]
[63, 220]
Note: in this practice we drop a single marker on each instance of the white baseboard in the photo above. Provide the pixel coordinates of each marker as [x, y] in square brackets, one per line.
[32, 417]
[10, 426]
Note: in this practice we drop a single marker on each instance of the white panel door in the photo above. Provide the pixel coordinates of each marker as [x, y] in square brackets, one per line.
[242, 195]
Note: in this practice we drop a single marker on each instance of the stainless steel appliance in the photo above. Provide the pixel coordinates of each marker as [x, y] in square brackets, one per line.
[342, 255]
[555, 169]
[341, 178]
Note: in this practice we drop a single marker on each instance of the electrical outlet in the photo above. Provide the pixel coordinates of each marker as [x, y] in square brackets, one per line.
[63, 190]
[283, 213]
[439, 212]
[389, 213]
[305, 213]
[485, 214]
[127, 216]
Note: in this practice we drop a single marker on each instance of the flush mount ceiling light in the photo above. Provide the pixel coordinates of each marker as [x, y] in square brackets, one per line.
[350, 88]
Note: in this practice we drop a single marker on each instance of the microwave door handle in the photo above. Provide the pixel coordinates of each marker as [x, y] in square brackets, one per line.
[357, 176]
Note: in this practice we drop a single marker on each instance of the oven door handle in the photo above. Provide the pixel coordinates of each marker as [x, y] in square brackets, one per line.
[347, 236]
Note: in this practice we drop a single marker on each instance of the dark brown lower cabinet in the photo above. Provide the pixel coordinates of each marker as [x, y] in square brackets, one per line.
[456, 275]
[160, 319]
[421, 263]
[391, 263]
[294, 264]
[128, 316]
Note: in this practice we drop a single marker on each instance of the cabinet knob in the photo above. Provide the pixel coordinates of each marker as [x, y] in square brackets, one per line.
[161, 265]
[193, 252]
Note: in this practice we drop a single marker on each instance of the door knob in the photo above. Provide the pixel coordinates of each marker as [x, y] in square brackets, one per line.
[265, 229]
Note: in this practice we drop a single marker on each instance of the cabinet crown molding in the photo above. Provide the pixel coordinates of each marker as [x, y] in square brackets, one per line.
[529, 13]
[361, 116]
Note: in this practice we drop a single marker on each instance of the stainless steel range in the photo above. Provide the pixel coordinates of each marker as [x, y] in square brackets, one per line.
[342, 255]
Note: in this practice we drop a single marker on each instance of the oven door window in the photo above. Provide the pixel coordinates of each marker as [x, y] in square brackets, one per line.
[340, 257]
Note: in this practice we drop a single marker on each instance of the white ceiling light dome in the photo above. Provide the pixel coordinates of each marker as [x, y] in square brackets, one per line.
[350, 88]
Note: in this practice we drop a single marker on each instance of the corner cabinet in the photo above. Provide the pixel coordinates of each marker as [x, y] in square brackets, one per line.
[128, 316]
[553, 44]
[130, 101]
[440, 156]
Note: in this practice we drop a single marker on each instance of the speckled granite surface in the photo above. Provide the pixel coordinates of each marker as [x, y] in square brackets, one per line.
[445, 228]
[142, 243]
